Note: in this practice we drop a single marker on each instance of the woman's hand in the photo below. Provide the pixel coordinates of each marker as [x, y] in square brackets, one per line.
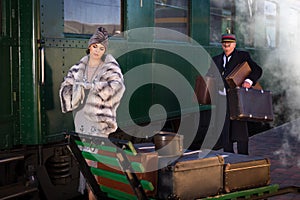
[85, 85]
[69, 81]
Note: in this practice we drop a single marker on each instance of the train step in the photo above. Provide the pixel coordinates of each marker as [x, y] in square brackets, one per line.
[13, 184]
[11, 159]
[18, 190]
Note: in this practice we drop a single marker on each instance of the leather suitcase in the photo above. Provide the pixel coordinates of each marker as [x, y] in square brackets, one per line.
[191, 177]
[238, 75]
[205, 89]
[245, 172]
[257, 86]
[250, 104]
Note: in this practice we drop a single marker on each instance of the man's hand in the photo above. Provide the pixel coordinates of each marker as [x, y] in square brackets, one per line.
[246, 84]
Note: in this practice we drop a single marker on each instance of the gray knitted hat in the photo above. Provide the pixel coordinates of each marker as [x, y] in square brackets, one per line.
[100, 36]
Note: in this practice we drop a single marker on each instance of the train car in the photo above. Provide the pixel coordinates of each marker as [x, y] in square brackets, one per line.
[40, 40]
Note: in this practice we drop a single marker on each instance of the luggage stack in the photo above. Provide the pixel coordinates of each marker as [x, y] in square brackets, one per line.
[193, 176]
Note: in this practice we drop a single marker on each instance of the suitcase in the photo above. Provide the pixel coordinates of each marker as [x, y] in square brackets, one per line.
[245, 172]
[250, 104]
[238, 75]
[205, 89]
[190, 177]
[257, 86]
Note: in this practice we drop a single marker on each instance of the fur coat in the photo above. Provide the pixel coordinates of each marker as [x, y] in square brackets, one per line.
[104, 96]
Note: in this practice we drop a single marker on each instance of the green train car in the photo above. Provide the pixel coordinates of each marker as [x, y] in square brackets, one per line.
[41, 39]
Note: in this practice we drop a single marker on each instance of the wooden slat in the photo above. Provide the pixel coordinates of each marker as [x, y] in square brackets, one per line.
[171, 20]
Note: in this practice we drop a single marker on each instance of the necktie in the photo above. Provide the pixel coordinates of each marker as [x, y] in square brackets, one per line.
[225, 64]
[226, 61]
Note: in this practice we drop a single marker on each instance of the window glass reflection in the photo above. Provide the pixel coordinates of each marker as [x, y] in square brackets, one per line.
[172, 14]
[84, 16]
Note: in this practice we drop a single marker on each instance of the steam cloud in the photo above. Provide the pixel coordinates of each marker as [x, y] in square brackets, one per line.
[281, 65]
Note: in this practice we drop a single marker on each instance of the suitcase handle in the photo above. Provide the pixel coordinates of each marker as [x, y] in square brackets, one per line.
[250, 167]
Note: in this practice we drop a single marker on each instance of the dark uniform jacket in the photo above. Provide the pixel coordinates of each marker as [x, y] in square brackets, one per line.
[237, 57]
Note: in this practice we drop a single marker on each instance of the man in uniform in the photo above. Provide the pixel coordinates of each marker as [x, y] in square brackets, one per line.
[233, 130]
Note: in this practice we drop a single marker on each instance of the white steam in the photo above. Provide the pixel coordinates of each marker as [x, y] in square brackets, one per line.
[274, 27]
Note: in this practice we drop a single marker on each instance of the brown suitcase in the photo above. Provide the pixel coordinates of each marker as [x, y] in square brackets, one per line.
[245, 172]
[238, 75]
[257, 86]
[205, 89]
[191, 177]
[250, 104]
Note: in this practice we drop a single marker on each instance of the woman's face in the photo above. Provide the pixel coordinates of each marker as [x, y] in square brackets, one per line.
[96, 50]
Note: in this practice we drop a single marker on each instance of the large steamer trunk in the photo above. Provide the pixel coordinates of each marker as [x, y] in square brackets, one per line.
[191, 177]
[244, 172]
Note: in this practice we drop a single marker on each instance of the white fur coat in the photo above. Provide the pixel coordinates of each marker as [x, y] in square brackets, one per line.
[107, 91]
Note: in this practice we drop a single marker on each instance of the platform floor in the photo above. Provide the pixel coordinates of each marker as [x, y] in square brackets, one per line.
[282, 146]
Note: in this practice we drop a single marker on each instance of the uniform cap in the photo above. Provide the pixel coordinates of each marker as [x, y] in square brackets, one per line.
[228, 38]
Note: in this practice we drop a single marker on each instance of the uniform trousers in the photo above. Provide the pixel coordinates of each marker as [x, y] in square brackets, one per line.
[234, 131]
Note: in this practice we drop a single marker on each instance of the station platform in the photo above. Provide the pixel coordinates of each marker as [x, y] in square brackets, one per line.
[282, 146]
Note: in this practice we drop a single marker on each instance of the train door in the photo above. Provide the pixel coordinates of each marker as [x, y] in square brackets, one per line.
[9, 123]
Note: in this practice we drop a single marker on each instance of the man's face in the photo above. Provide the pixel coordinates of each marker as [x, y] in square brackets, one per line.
[228, 47]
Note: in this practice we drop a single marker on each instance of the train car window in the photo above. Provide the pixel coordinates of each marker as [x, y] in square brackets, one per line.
[292, 33]
[221, 17]
[253, 21]
[257, 23]
[174, 15]
[84, 16]
[270, 17]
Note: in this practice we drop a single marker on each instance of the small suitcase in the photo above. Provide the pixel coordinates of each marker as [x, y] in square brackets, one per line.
[205, 89]
[250, 104]
[245, 172]
[238, 75]
[191, 177]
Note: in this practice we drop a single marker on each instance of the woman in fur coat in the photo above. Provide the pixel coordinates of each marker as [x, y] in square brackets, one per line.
[92, 90]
